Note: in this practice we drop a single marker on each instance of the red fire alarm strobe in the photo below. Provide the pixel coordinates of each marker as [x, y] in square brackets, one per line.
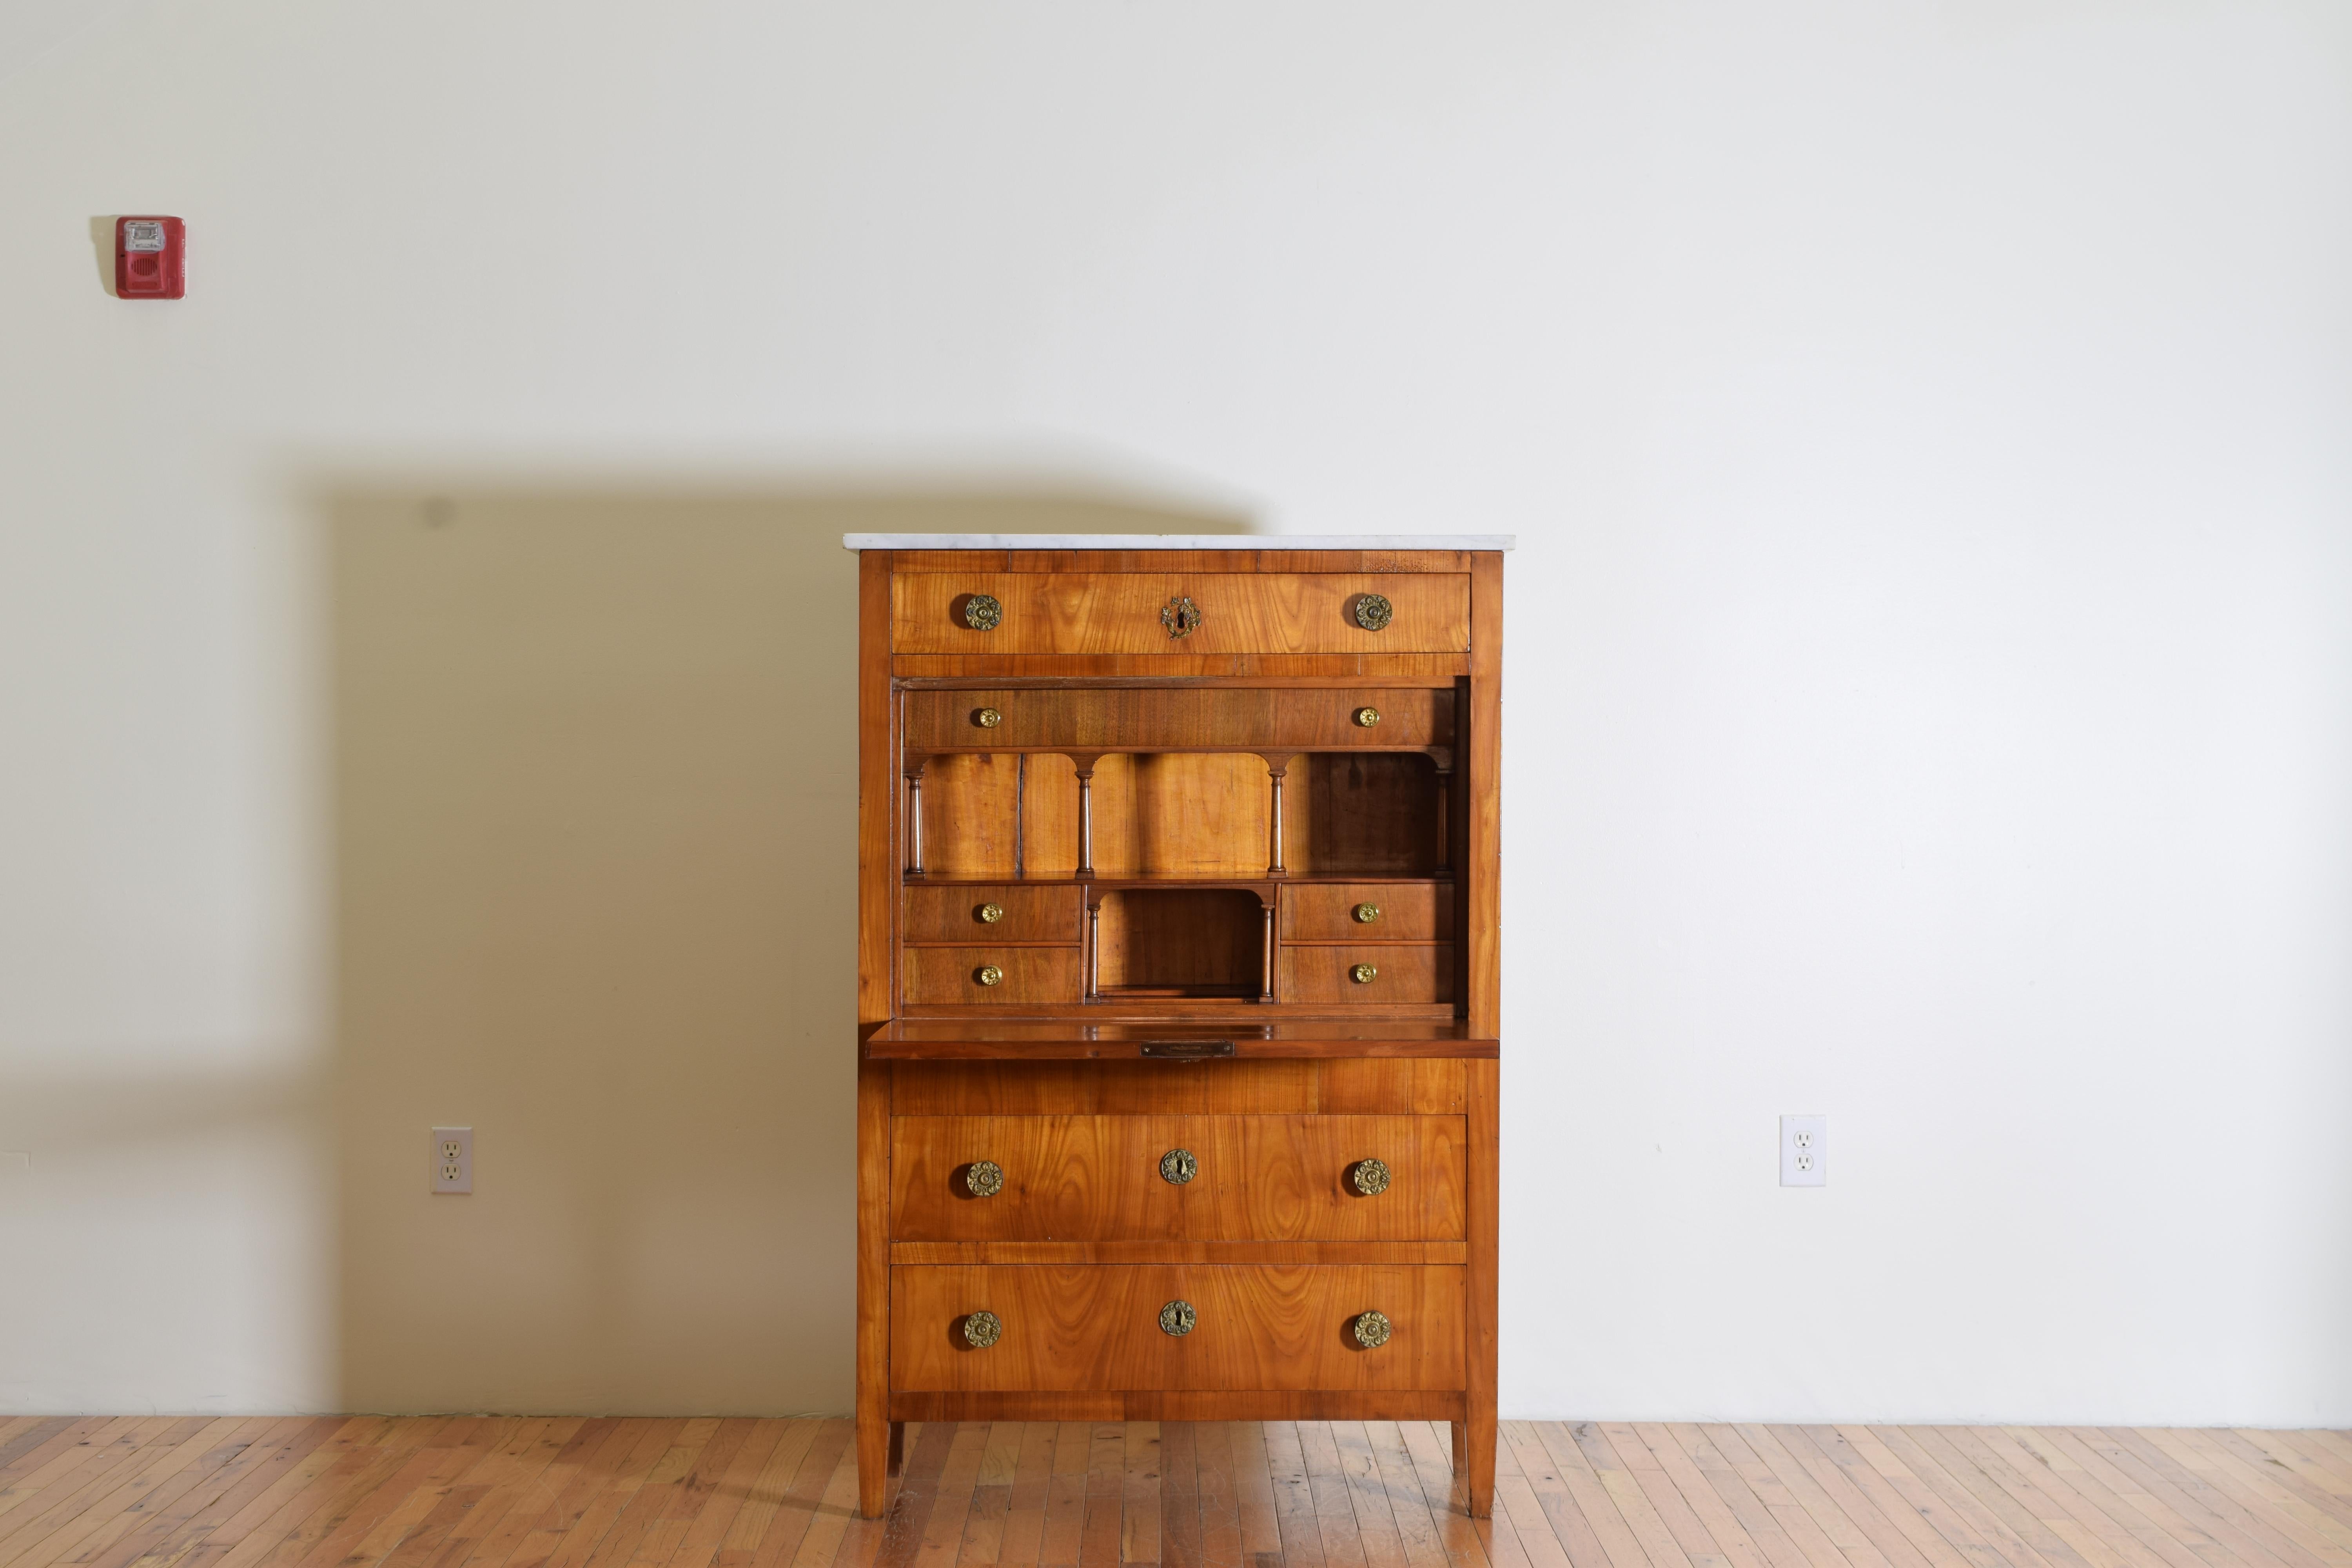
[150, 258]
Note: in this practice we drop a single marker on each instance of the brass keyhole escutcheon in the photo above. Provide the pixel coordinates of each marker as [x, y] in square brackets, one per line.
[982, 612]
[1369, 1177]
[1177, 1167]
[988, 717]
[1363, 975]
[1177, 1317]
[1182, 617]
[1373, 611]
[988, 974]
[989, 914]
[1367, 717]
[984, 1178]
[1366, 913]
[1371, 1330]
[981, 1330]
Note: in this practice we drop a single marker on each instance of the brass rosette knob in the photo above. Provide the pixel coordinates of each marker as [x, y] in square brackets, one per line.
[1177, 1317]
[989, 914]
[1364, 974]
[988, 974]
[1367, 717]
[988, 717]
[983, 1178]
[1366, 913]
[1177, 1167]
[981, 1330]
[982, 612]
[1373, 611]
[1371, 1330]
[1369, 1177]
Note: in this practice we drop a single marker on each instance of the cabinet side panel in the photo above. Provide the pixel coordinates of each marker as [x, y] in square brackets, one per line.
[878, 878]
[1482, 862]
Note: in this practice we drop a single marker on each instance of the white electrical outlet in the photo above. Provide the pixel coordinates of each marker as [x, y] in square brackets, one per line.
[453, 1158]
[1804, 1150]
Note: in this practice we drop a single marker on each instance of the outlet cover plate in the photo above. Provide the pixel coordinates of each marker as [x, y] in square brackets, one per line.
[452, 1159]
[1804, 1150]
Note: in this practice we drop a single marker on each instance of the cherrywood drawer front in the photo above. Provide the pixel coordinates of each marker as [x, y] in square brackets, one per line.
[1353, 1086]
[1319, 974]
[1023, 914]
[1097, 1327]
[1121, 612]
[1024, 975]
[1256, 1178]
[1405, 911]
[1172, 718]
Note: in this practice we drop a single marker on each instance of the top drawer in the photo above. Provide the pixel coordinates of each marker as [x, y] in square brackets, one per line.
[1141, 613]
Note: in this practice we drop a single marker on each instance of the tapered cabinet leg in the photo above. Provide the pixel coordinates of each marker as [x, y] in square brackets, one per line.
[875, 1429]
[875, 1449]
[1474, 1467]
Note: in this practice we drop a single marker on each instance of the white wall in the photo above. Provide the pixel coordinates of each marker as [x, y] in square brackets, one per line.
[1930, 690]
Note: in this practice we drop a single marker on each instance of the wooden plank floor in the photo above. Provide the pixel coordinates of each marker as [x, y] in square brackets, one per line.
[569, 1492]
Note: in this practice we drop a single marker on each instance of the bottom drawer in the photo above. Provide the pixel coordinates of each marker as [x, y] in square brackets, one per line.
[1098, 1327]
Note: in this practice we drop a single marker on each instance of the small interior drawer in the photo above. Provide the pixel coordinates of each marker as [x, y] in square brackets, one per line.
[970, 913]
[1396, 974]
[1336, 911]
[1097, 1328]
[937, 975]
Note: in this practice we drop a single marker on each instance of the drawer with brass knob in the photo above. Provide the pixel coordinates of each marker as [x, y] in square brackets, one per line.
[1305, 718]
[1177, 1178]
[1359, 974]
[1367, 912]
[969, 914]
[961, 610]
[995, 974]
[1106, 1328]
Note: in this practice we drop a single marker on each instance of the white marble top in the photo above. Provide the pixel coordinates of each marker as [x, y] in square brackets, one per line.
[1179, 541]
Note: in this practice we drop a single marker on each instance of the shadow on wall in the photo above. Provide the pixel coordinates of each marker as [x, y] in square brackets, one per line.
[596, 824]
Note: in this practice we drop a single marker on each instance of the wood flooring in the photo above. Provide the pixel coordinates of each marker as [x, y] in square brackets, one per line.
[570, 1493]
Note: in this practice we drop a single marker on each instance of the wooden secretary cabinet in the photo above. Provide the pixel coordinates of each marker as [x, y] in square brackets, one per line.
[1177, 984]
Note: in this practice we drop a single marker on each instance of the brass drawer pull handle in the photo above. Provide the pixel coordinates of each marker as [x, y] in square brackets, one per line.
[1371, 1330]
[989, 914]
[988, 717]
[1362, 975]
[982, 612]
[1369, 1177]
[986, 1178]
[1177, 1167]
[1182, 617]
[1373, 611]
[1367, 717]
[1177, 1319]
[981, 1330]
[988, 974]
[1366, 913]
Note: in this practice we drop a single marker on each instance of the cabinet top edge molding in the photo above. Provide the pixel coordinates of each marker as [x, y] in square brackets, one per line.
[1178, 541]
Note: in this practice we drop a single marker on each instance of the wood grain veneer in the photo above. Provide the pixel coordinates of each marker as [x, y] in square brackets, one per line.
[1408, 911]
[1099, 613]
[1160, 718]
[952, 914]
[1402, 973]
[1030, 974]
[1095, 1328]
[1097, 1178]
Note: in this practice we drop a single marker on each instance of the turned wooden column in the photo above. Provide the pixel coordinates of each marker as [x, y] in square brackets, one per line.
[1277, 768]
[1265, 982]
[1086, 766]
[915, 814]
